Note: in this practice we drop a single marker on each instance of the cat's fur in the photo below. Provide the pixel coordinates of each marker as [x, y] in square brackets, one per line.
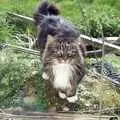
[63, 62]
[62, 54]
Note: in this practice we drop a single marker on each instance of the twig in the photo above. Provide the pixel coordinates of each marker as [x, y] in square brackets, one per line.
[21, 16]
[27, 50]
[93, 52]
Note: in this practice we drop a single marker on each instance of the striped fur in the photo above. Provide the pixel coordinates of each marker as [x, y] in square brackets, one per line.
[63, 62]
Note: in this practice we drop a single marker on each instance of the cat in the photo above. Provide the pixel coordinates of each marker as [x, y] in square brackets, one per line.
[63, 65]
[61, 49]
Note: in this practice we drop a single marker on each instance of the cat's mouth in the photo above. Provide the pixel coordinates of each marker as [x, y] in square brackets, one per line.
[61, 61]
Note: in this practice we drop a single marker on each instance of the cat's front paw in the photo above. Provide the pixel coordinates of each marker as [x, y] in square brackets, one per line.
[62, 95]
[45, 76]
[72, 99]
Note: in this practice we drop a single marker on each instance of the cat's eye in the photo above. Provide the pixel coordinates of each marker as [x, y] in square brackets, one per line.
[71, 53]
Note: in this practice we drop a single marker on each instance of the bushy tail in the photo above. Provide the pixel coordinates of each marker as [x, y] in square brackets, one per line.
[45, 8]
[40, 18]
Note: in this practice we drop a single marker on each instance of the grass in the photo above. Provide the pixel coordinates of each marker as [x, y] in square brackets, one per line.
[93, 89]
[96, 12]
[115, 60]
[15, 70]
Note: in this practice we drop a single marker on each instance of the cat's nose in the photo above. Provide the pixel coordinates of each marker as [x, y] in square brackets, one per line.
[62, 61]
[65, 58]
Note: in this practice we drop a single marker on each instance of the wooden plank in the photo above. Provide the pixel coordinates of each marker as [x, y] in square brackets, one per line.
[35, 116]
[53, 116]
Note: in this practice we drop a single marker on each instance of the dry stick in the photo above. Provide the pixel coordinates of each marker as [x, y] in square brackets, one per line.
[21, 16]
[84, 37]
[27, 50]
[111, 39]
[93, 52]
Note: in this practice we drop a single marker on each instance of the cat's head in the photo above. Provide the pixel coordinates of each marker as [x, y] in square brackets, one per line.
[65, 51]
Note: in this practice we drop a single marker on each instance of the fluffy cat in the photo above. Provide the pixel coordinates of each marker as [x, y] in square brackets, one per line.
[62, 53]
[63, 64]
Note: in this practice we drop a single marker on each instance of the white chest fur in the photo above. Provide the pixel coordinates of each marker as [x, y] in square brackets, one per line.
[62, 74]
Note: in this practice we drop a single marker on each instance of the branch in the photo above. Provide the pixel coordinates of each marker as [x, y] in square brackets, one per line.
[111, 39]
[94, 53]
[99, 42]
[21, 16]
[26, 50]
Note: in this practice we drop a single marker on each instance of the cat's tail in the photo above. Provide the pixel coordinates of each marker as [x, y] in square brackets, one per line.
[48, 9]
[45, 9]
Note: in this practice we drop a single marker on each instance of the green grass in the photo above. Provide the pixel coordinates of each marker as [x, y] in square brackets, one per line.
[14, 71]
[96, 12]
[111, 58]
